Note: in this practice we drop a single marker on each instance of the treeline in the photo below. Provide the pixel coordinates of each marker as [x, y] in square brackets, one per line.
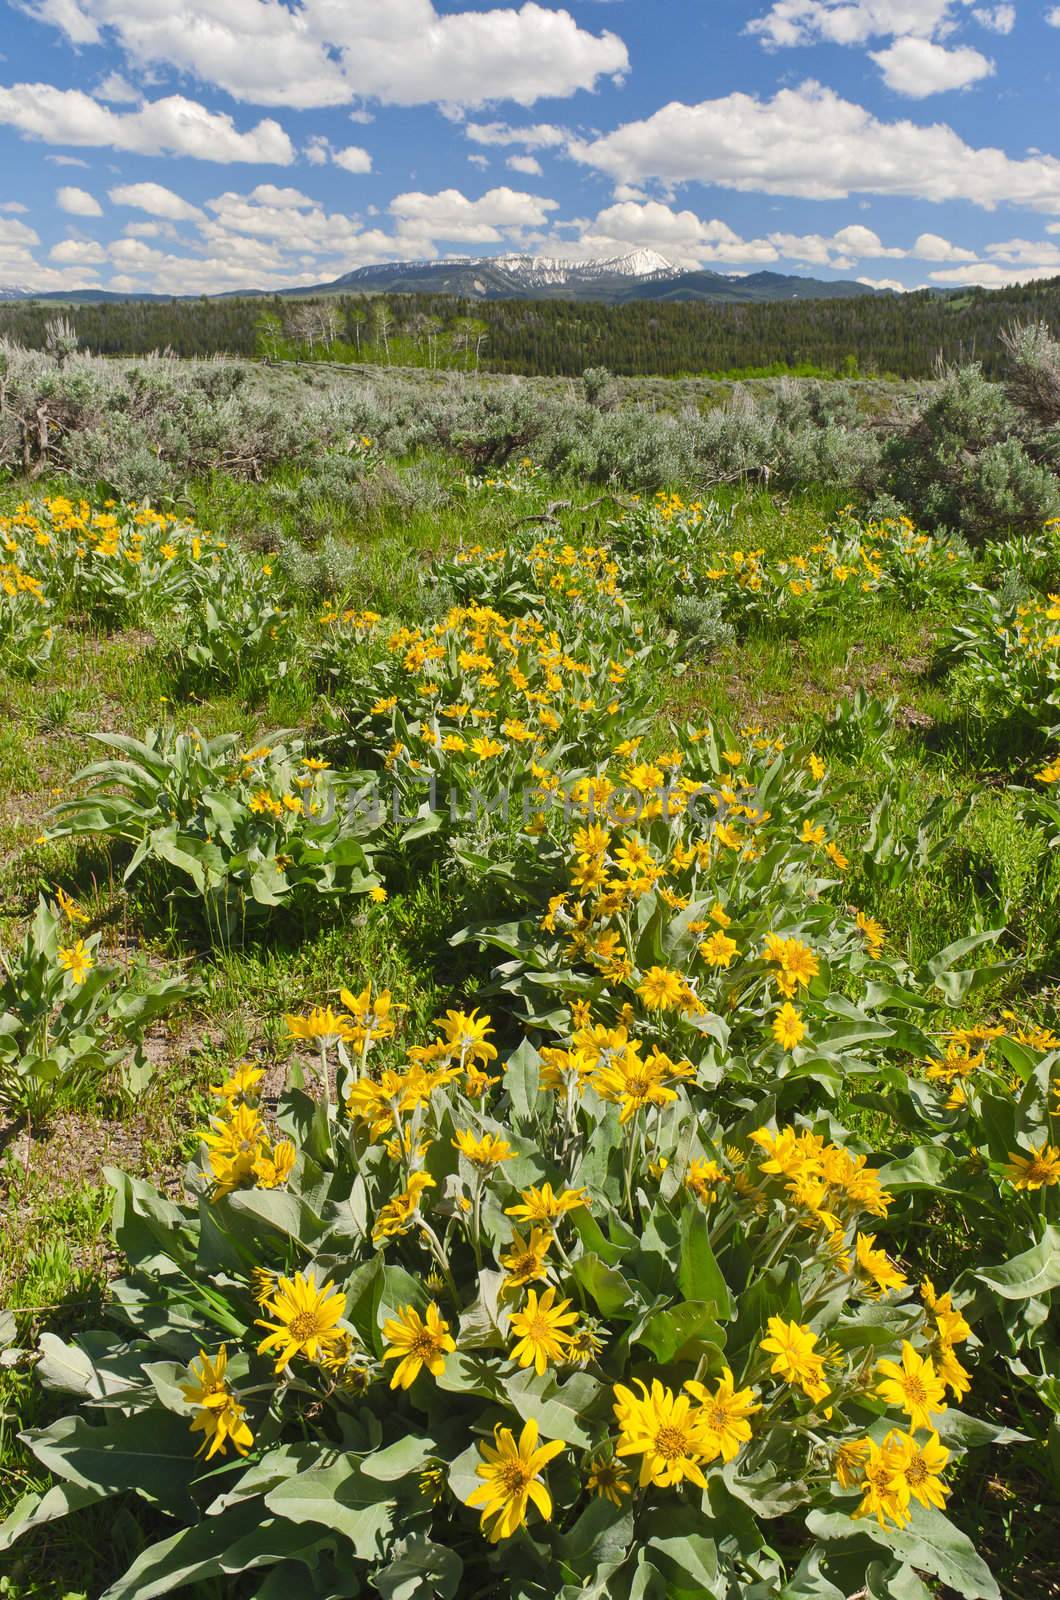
[900, 335]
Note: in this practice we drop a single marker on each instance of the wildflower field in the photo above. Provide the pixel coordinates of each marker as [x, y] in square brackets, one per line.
[527, 1063]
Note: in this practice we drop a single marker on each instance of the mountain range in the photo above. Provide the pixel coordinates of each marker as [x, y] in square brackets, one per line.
[615, 280]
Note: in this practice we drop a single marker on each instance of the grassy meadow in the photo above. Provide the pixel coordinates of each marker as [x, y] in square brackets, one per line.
[703, 1025]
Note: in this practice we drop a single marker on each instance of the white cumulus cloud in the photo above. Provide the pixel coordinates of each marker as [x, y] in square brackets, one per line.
[776, 147]
[999, 19]
[170, 126]
[541, 136]
[352, 159]
[932, 247]
[78, 202]
[851, 22]
[529, 165]
[917, 67]
[14, 233]
[1025, 253]
[450, 215]
[328, 52]
[987, 275]
[77, 252]
[115, 87]
[156, 200]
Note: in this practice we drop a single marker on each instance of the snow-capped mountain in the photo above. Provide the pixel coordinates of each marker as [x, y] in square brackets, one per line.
[553, 270]
[504, 276]
[641, 274]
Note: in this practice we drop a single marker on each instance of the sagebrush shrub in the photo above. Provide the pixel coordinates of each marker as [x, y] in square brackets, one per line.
[961, 463]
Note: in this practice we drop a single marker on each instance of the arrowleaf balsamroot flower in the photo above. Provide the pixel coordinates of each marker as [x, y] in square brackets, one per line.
[465, 1037]
[242, 1084]
[788, 1026]
[512, 1474]
[209, 1386]
[371, 1020]
[543, 1206]
[219, 1418]
[1039, 1170]
[885, 1494]
[221, 1426]
[914, 1386]
[725, 1414]
[323, 1024]
[542, 1329]
[670, 1434]
[795, 1357]
[484, 1152]
[877, 1267]
[634, 1083]
[233, 1147]
[662, 989]
[920, 1467]
[70, 908]
[306, 1319]
[718, 950]
[398, 1214]
[608, 1479]
[850, 1461]
[415, 1342]
[525, 1260]
[77, 961]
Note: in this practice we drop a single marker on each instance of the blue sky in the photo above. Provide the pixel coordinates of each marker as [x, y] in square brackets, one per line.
[191, 146]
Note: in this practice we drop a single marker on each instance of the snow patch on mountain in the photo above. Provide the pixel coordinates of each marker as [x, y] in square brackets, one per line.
[556, 270]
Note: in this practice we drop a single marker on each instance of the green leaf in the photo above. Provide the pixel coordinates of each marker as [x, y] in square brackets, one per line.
[930, 1544]
[521, 1080]
[969, 1433]
[1035, 1272]
[924, 1169]
[405, 1456]
[667, 1333]
[422, 1571]
[342, 1497]
[593, 1237]
[766, 1492]
[470, 1374]
[689, 1562]
[34, 1509]
[605, 1285]
[275, 1467]
[67, 1367]
[151, 1452]
[602, 1533]
[698, 1274]
[883, 1581]
[945, 959]
[271, 1211]
[556, 1408]
[237, 1542]
[808, 1582]
[144, 1222]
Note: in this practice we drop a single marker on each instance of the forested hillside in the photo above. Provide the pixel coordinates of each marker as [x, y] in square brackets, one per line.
[901, 335]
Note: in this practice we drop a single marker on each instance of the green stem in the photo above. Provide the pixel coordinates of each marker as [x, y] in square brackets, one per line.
[476, 1223]
[434, 1244]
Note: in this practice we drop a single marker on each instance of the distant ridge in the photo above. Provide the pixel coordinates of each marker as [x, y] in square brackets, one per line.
[641, 274]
